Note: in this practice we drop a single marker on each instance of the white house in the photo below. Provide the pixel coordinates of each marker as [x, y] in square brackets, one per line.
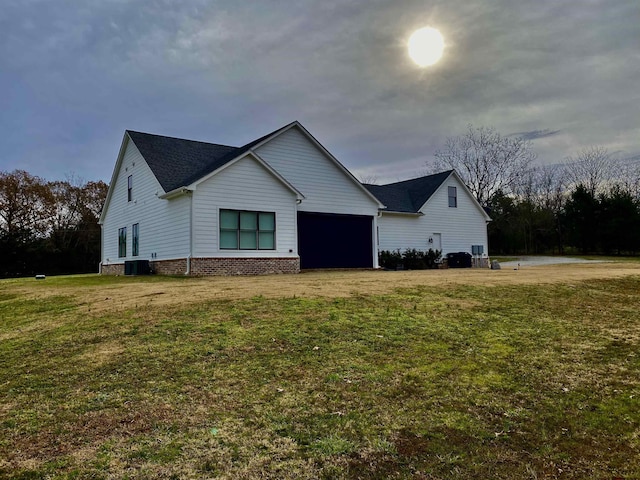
[279, 204]
[436, 211]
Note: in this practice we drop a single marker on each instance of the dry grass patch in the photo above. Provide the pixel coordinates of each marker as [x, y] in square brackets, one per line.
[104, 352]
[104, 294]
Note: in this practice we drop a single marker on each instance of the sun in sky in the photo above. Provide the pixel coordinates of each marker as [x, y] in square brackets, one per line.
[426, 46]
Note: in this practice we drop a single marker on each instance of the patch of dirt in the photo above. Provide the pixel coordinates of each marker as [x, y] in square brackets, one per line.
[327, 284]
[91, 428]
[409, 444]
[374, 466]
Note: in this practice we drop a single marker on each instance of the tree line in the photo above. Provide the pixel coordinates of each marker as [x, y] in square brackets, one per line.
[588, 203]
[49, 227]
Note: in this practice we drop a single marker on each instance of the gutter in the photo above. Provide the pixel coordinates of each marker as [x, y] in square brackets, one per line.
[175, 193]
[408, 214]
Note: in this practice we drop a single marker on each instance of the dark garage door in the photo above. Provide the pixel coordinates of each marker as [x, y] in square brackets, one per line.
[335, 241]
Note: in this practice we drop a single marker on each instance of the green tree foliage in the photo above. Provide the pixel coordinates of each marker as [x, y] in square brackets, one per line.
[521, 226]
[581, 215]
[588, 223]
[619, 222]
[48, 227]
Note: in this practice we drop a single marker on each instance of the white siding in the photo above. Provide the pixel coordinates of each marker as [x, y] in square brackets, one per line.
[325, 186]
[460, 227]
[245, 185]
[164, 224]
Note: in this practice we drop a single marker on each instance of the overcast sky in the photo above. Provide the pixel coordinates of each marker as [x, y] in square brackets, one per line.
[75, 74]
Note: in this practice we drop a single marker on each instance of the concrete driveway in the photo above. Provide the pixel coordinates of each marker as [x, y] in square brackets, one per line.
[534, 261]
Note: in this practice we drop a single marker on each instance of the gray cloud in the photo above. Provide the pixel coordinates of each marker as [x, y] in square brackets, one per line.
[77, 75]
[535, 134]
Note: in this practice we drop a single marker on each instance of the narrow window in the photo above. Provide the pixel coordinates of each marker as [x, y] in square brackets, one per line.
[122, 242]
[453, 197]
[246, 230]
[267, 231]
[229, 222]
[129, 187]
[135, 239]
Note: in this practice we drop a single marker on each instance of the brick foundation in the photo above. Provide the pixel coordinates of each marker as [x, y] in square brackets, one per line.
[216, 266]
[169, 267]
[244, 266]
[113, 269]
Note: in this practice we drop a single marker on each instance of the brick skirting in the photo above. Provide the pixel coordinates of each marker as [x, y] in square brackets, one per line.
[216, 266]
[169, 267]
[113, 269]
[244, 266]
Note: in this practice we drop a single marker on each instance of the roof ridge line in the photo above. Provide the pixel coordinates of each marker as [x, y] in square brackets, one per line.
[416, 178]
[182, 139]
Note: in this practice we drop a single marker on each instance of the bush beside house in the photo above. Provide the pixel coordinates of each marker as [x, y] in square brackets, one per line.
[410, 259]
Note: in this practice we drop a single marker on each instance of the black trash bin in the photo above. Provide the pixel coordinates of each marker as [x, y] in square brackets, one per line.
[459, 260]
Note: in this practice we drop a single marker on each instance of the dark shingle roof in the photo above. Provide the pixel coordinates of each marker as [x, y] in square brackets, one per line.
[177, 162]
[409, 195]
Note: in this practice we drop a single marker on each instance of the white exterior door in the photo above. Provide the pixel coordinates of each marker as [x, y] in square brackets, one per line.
[435, 241]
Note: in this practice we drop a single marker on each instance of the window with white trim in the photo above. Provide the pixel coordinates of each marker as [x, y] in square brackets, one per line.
[453, 197]
[247, 230]
[129, 188]
[122, 242]
[135, 239]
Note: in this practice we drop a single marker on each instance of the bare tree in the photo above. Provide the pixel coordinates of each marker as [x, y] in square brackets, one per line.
[486, 161]
[628, 177]
[593, 167]
[544, 186]
[370, 179]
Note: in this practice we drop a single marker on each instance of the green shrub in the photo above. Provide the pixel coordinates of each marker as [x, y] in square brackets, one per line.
[411, 259]
[390, 259]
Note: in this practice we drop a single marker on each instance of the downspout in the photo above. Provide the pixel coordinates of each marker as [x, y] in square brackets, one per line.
[376, 240]
[189, 257]
[295, 233]
[101, 248]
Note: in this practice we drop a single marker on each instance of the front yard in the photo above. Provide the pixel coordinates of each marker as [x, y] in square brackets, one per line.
[435, 374]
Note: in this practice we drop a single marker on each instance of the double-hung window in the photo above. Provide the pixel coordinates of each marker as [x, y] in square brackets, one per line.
[247, 230]
[122, 242]
[135, 239]
[453, 197]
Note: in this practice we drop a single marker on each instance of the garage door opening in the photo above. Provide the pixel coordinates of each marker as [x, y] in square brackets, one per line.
[335, 241]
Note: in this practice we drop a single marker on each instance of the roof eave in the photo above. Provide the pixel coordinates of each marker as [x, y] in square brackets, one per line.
[408, 214]
[114, 175]
[176, 192]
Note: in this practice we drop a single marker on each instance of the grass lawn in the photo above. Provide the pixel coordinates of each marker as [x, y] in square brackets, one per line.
[420, 375]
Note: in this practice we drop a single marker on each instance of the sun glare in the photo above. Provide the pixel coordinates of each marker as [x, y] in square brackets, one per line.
[426, 46]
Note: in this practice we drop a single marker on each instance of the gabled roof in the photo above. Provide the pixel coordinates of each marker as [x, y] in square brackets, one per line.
[295, 124]
[408, 196]
[177, 162]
